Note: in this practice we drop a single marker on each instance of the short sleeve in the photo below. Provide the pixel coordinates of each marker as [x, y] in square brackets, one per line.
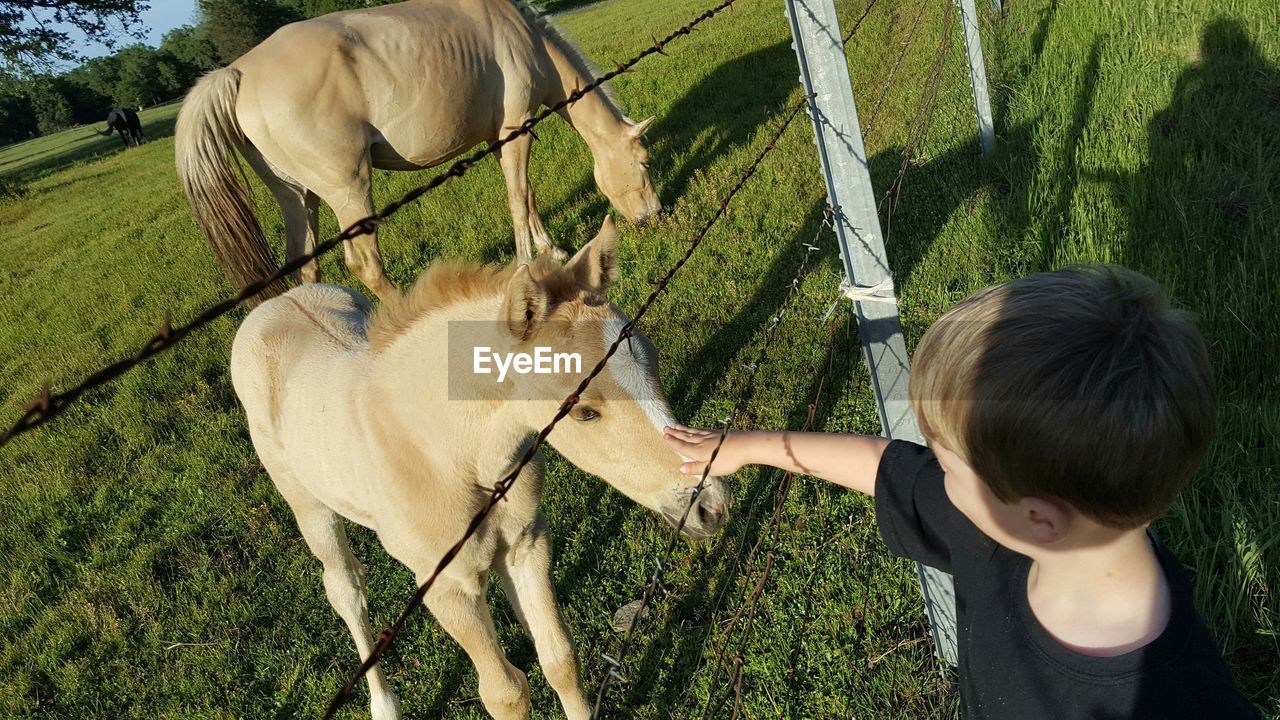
[916, 518]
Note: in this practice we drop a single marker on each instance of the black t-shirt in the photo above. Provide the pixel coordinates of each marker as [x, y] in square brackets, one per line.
[1010, 667]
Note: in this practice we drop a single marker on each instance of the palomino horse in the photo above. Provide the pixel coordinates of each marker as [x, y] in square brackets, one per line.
[125, 122]
[386, 422]
[398, 87]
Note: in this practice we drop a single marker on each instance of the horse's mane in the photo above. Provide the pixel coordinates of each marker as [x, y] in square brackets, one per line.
[449, 282]
[583, 64]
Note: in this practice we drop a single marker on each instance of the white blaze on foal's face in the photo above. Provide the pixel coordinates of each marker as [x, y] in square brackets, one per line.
[635, 368]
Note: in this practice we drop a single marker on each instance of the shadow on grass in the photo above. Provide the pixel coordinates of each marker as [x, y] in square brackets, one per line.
[1202, 223]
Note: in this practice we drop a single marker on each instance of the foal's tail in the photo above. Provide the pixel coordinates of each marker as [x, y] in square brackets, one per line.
[205, 142]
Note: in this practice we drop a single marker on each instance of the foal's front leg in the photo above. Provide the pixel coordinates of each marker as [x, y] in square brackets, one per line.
[526, 574]
[463, 613]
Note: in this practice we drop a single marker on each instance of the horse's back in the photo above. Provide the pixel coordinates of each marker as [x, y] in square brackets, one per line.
[426, 79]
[293, 341]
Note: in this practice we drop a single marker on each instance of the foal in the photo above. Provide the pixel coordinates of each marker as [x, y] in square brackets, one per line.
[388, 422]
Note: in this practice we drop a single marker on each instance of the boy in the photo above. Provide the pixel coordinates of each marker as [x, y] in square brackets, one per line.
[1064, 412]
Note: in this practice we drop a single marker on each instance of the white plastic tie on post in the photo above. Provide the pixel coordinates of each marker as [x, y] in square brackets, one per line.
[881, 292]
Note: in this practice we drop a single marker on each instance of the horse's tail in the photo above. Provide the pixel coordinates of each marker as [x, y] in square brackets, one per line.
[206, 138]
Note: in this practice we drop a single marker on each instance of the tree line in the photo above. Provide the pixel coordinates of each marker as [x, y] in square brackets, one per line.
[36, 101]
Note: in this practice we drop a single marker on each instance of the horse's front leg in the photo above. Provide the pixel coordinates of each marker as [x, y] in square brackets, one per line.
[526, 575]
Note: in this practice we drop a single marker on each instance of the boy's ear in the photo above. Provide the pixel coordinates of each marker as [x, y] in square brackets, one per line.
[1048, 519]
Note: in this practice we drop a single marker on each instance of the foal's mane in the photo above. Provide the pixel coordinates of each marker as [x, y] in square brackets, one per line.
[449, 282]
[583, 64]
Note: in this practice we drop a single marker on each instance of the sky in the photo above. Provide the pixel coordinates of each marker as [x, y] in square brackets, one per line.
[163, 16]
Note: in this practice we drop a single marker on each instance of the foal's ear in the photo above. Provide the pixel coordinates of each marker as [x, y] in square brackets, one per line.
[596, 265]
[527, 303]
[642, 127]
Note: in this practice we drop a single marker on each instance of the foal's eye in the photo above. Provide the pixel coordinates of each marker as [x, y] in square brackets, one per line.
[585, 414]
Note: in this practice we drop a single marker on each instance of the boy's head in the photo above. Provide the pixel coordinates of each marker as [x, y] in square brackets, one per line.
[1080, 386]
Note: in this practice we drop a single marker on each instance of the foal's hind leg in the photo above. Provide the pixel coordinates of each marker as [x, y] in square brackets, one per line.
[526, 574]
[343, 585]
[461, 609]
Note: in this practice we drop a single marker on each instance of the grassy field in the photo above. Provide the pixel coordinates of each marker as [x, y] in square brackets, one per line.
[150, 569]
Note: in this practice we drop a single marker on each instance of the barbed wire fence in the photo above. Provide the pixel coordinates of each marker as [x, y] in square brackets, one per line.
[745, 615]
[613, 672]
[48, 405]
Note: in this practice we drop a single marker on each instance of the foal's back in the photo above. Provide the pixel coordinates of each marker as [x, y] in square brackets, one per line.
[292, 343]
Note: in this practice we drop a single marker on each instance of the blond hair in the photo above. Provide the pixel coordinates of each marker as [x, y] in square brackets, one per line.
[1080, 384]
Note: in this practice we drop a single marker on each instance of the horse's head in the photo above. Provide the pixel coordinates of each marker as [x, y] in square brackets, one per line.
[622, 173]
[615, 429]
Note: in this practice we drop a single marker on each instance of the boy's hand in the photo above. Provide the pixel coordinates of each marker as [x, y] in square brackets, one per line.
[697, 445]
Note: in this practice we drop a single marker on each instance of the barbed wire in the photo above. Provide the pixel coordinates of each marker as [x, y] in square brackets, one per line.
[921, 123]
[919, 130]
[503, 486]
[738, 553]
[48, 405]
[884, 92]
[613, 672]
[858, 23]
[773, 525]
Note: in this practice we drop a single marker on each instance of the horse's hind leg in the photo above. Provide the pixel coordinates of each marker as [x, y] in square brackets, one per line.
[351, 204]
[300, 209]
[526, 574]
[529, 232]
[343, 584]
[463, 613]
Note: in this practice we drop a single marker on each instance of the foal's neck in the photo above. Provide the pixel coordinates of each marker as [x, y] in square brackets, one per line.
[433, 397]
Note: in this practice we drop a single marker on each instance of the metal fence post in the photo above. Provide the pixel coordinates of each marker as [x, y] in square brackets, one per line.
[824, 73]
[978, 73]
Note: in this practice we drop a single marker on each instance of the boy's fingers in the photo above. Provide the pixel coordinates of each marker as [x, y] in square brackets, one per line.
[685, 435]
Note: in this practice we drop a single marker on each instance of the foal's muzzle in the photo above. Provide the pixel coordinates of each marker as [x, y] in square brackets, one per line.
[709, 514]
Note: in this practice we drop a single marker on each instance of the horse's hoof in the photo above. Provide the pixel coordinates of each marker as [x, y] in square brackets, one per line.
[555, 252]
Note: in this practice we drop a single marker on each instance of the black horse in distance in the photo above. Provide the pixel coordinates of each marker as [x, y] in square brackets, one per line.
[124, 121]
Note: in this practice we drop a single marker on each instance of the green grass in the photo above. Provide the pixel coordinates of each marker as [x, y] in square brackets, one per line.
[150, 569]
[43, 155]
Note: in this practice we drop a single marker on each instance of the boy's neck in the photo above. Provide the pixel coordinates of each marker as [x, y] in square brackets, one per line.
[1103, 599]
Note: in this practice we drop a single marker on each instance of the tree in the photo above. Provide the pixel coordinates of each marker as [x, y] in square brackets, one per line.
[234, 27]
[52, 109]
[191, 46]
[17, 118]
[32, 34]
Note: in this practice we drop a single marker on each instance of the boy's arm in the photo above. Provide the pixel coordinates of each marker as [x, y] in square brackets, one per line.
[848, 460]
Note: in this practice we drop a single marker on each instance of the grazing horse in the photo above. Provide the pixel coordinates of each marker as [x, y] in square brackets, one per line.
[388, 421]
[126, 122]
[320, 103]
